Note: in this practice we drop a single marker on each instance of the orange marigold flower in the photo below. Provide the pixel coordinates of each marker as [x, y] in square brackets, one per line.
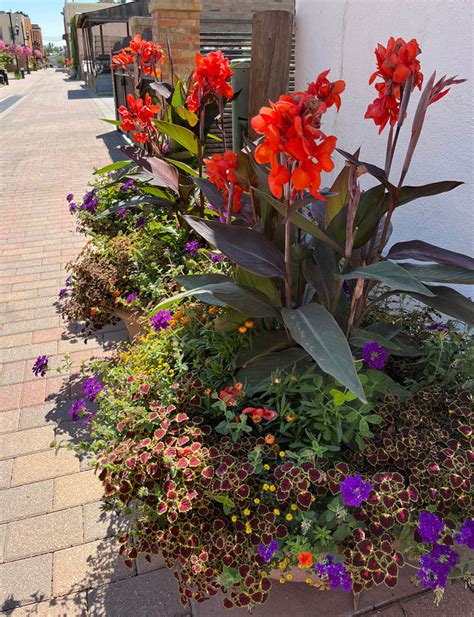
[148, 55]
[137, 117]
[210, 80]
[305, 559]
[395, 64]
[221, 171]
[294, 145]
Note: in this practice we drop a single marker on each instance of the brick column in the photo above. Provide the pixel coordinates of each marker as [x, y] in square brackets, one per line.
[180, 21]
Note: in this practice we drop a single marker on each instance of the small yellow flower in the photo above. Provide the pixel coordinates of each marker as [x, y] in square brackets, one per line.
[242, 329]
[289, 517]
[256, 501]
[233, 519]
[272, 488]
[276, 511]
[282, 580]
[281, 453]
[248, 323]
[248, 528]
[290, 417]
[313, 498]
[308, 581]
[266, 467]
[294, 507]
[247, 512]
[289, 577]
[263, 574]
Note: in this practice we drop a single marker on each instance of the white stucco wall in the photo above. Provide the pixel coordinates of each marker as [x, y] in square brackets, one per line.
[342, 35]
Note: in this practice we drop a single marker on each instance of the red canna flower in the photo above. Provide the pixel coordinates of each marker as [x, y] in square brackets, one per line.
[221, 171]
[395, 64]
[293, 143]
[305, 559]
[137, 117]
[146, 54]
[230, 394]
[210, 79]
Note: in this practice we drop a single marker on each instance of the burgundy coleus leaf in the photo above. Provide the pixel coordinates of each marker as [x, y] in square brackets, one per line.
[170, 452]
[159, 433]
[194, 462]
[162, 507]
[304, 500]
[181, 417]
[131, 463]
[208, 472]
[145, 457]
[182, 463]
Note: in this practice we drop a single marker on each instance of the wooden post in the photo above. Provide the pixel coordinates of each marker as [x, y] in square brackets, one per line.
[272, 33]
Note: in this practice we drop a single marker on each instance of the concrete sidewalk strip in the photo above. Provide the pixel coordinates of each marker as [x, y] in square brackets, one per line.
[25, 581]
[74, 605]
[43, 465]
[25, 501]
[26, 442]
[77, 489]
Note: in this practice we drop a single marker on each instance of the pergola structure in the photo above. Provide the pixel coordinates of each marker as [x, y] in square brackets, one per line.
[108, 26]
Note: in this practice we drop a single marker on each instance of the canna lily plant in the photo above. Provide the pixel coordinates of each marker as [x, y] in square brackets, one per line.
[311, 263]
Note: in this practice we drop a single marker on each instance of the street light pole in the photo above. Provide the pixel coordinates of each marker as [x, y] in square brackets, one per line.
[13, 39]
[26, 55]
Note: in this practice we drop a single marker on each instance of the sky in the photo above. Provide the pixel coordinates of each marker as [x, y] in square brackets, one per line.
[46, 13]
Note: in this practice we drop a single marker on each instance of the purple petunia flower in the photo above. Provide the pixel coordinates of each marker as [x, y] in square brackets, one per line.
[131, 297]
[90, 415]
[90, 201]
[40, 366]
[161, 320]
[439, 327]
[62, 292]
[465, 537]
[354, 490]
[70, 197]
[435, 566]
[122, 211]
[430, 526]
[216, 257]
[129, 185]
[192, 247]
[335, 573]
[91, 388]
[68, 281]
[77, 408]
[375, 356]
[267, 552]
[140, 222]
[72, 207]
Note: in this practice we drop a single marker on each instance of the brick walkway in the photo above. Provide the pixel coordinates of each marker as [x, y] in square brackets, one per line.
[57, 549]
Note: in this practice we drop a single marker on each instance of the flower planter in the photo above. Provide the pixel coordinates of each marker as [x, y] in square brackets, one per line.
[132, 322]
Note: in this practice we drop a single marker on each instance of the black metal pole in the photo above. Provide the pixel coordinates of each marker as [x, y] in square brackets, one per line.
[13, 39]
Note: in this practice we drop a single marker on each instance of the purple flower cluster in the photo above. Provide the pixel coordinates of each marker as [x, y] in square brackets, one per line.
[335, 573]
[131, 297]
[40, 366]
[140, 222]
[465, 537]
[161, 320]
[216, 257]
[267, 552]
[90, 201]
[62, 292]
[430, 526]
[91, 388]
[76, 409]
[375, 356]
[354, 490]
[438, 327]
[129, 185]
[435, 566]
[192, 247]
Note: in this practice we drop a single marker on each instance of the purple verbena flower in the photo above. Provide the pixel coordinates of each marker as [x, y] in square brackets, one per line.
[140, 222]
[77, 408]
[354, 490]
[216, 257]
[335, 573]
[435, 566]
[131, 297]
[161, 320]
[375, 356]
[70, 197]
[40, 366]
[439, 327]
[129, 185]
[267, 552]
[68, 281]
[91, 388]
[430, 526]
[90, 415]
[62, 292]
[72, 207]
[122, 211]
[465, 537]
[192, 247]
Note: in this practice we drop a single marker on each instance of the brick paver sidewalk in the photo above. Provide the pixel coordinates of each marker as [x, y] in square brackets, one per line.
[57, 550]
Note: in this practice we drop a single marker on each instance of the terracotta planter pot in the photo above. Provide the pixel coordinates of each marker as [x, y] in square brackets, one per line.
[131, 319]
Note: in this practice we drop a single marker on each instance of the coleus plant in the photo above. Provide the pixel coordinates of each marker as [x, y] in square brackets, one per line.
[313, 262]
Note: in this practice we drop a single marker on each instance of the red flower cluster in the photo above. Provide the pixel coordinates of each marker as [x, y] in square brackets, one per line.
[210, 79]
[231, 394]
[259, 414]
[149, 55]
[395, 64]
[221, 171]
[294, 145]
[137, 117]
